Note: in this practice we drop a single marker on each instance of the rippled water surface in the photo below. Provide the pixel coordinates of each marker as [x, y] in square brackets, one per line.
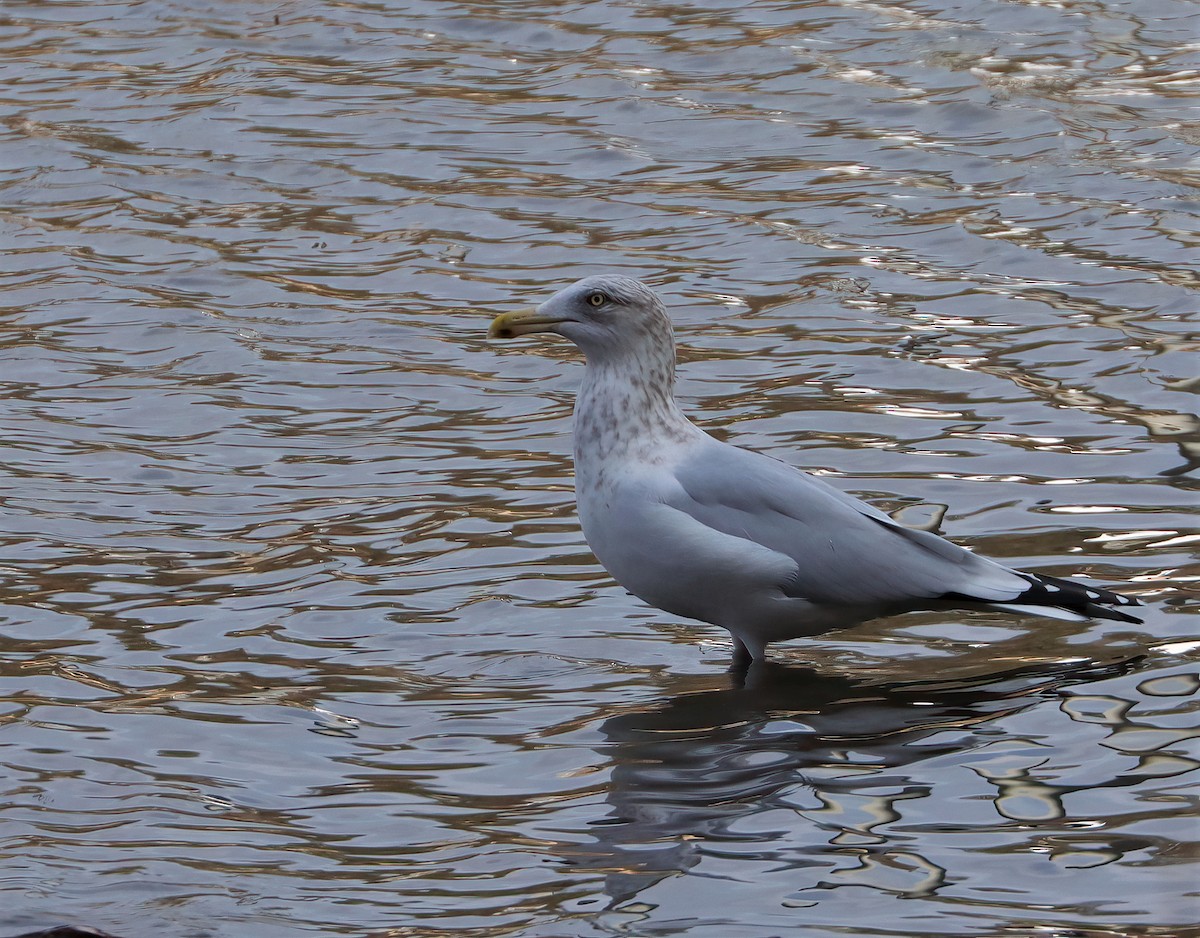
[299, 633]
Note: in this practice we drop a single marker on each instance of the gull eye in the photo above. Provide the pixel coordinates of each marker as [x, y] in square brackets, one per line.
[597, 299]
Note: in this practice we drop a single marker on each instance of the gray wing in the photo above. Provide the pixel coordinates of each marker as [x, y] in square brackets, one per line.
[845, 551]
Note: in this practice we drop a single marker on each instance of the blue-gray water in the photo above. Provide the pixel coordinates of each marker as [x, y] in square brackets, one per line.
[299, 633]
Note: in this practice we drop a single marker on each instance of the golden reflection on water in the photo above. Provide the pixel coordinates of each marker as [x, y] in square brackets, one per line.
[298, 632]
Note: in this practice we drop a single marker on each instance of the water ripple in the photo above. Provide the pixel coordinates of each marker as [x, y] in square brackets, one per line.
[299, 632]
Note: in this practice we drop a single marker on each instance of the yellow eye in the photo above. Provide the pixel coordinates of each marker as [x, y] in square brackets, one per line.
[597, 299]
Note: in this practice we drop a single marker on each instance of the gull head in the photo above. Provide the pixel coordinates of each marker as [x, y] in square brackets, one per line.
[610, 318]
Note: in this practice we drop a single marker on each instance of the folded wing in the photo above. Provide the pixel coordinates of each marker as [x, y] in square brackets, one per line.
[845, 551]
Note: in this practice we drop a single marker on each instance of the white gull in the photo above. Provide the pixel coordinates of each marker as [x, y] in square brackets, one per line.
[725, 535]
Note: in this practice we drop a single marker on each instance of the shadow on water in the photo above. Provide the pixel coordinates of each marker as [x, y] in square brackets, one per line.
[709, 765]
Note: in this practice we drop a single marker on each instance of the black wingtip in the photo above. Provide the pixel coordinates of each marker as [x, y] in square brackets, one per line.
[1078, 597]
[1096, 611]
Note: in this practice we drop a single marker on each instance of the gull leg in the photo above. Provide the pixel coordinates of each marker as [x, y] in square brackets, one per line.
[741, 655]
[745, 653]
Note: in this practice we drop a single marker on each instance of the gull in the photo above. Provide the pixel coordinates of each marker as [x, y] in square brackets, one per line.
[710, 531]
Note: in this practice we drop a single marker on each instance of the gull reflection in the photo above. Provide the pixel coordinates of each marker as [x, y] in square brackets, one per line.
[720, 765]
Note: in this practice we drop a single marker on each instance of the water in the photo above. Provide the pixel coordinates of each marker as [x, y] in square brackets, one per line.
[299, 632]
